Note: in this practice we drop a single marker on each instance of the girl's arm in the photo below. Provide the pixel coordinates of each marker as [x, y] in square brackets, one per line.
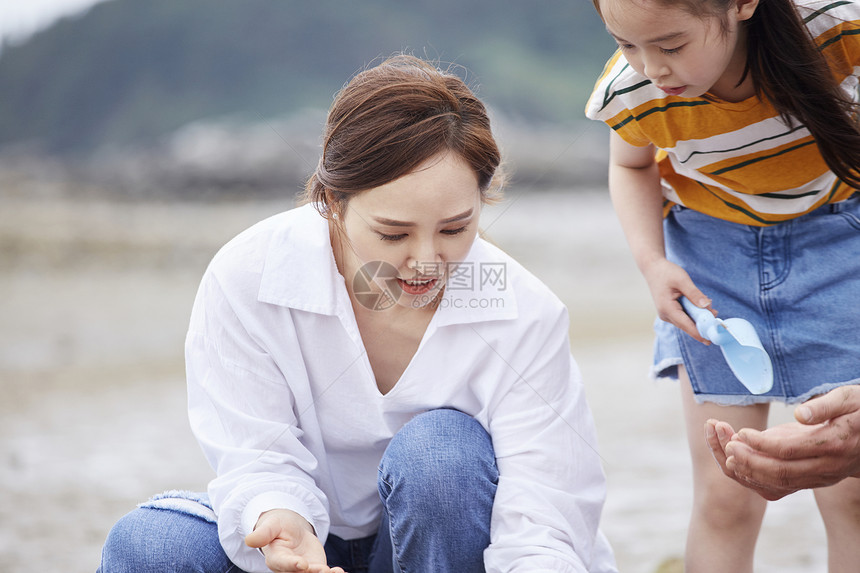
[634, 185]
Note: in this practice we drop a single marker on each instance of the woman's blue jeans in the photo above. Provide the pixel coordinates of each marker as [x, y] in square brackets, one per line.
[437, 480]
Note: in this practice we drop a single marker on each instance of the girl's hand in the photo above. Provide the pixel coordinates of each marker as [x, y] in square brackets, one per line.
[289, 543]
[668, 282]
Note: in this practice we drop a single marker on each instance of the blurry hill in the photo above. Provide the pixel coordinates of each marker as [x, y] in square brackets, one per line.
[135, 74]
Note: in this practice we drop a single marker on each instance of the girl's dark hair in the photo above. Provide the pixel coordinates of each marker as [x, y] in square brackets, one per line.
[789, 70]
[390, 119]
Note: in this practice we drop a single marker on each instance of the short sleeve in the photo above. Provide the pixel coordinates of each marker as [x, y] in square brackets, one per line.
[608, 101]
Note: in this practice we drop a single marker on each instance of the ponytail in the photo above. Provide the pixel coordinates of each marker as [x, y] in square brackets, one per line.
[790, 72]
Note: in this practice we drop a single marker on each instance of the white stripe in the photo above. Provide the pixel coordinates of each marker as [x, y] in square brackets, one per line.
[720, 147]
[769, 205]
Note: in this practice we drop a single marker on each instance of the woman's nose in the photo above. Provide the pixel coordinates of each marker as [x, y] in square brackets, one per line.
[424, 258]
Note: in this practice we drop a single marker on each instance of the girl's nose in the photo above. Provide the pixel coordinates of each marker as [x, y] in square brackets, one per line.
[655, 68]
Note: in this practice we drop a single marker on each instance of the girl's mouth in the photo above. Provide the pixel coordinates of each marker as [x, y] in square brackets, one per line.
[416, 286]
[674, 91]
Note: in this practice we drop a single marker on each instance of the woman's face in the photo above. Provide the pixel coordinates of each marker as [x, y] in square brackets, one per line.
[409, 232]
[681, 53]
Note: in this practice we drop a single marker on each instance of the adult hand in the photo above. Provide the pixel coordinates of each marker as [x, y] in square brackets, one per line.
[667, 283]
[289, 543]
[821, 449]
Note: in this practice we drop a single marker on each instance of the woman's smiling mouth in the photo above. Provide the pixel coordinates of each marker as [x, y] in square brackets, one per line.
[417, 286]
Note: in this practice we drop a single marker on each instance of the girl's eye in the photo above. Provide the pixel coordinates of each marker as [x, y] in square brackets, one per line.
[670, 51]
[454, 231]
[384, 237]
[625, 46]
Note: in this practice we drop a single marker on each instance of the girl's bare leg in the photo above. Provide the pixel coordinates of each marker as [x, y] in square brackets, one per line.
[726, 516]
[840, 509]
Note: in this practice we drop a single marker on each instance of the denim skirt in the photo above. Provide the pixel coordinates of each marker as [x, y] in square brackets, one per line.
[797, 282]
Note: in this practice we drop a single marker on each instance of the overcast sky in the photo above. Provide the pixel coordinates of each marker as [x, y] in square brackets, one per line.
[20, 18]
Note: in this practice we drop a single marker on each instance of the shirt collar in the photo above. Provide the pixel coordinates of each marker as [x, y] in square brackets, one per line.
[300, 272]
[479, 288]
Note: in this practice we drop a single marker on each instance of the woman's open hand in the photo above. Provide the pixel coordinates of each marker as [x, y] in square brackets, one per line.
[289, 543]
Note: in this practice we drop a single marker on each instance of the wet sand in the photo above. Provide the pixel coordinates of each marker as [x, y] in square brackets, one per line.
[95, 298]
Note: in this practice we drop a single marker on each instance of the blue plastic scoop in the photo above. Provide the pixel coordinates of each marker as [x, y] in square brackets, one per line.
[740, 344]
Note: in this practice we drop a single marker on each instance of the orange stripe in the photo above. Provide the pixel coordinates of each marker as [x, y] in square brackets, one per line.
[843, 54]
[784, 167]
[701, 122]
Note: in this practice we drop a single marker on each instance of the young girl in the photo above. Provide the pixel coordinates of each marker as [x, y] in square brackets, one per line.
[750, 203]
[377, 388]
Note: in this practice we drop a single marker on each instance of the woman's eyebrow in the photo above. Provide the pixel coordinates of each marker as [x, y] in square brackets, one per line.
[395, 223]
[460, 217]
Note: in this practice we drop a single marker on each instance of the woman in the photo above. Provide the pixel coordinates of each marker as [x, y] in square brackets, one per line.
[377, 388]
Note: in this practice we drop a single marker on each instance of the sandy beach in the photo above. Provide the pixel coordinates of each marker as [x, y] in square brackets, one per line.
[95, 298]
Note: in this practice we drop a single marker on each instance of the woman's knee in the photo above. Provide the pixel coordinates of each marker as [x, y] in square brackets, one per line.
[438, 440]
[128, 546]
[437, 453]
[157, 540]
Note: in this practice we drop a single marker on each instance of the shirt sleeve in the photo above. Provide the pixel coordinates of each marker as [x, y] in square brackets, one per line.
[835, 28]
[551, 486]
[243, 413]
[850, 33]
[603, 92]
[608, 101]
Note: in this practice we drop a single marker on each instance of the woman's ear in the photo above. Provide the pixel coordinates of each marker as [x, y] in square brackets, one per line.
[332, 206]
[745, 9]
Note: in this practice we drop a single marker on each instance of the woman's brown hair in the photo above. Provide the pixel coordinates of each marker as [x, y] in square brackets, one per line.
[389, 120]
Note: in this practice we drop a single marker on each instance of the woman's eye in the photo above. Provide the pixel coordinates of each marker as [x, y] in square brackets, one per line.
[456, 231]
[384, 237]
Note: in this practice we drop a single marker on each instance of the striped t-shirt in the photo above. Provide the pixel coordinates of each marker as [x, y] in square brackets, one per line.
[735, 161]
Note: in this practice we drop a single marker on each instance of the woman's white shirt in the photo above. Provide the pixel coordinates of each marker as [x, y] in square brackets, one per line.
[285, 406]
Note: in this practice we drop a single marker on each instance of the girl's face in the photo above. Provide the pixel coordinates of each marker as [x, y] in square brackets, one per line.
[681, 53]
[417, 226]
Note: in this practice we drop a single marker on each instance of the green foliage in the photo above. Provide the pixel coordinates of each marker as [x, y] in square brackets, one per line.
[130, 71]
